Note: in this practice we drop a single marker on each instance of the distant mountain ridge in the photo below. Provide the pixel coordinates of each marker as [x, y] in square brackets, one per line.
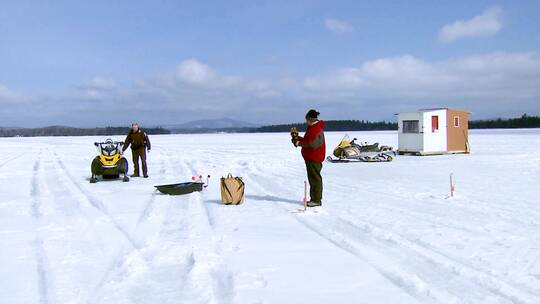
[211, 124]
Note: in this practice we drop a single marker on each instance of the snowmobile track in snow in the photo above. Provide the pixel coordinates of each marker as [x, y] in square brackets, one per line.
[119, 258]
[447, 263]
[34, 190]
[12, 159]
[201, 275]
[149, 206]
[39, 251]
[222, 285]
[428, 217]
[42, 273]
[369, 243]
[96, 203]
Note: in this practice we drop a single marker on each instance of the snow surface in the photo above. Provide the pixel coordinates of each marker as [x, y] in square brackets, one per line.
[387, 232]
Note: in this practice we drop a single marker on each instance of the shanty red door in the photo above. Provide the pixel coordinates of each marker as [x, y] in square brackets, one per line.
[434, 123]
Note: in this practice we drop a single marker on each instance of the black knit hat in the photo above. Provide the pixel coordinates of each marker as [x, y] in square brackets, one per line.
[312, 114]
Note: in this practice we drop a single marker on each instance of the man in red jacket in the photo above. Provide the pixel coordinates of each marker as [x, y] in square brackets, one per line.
[313, 152]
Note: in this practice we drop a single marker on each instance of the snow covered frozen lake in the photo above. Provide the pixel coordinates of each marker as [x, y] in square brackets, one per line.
[387, 233]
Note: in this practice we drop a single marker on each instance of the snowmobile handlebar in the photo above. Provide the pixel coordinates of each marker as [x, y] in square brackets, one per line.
[104, 142]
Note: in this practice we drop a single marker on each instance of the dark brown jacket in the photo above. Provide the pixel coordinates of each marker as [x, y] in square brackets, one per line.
[137, 140]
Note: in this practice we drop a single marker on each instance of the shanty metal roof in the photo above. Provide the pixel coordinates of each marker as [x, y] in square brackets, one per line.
[438, 109]
[434, 109]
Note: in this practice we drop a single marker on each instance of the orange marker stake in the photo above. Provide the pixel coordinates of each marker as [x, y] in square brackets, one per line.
[305, 195]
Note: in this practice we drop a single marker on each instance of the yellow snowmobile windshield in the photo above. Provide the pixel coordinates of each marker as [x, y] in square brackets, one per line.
[109, 153]
[109, 149]
[339, 151]
[345, 142]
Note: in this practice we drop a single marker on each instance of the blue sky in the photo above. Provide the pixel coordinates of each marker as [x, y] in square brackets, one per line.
[163, 62]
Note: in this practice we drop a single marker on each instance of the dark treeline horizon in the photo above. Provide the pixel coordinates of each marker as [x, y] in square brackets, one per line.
[70, 131]
[525, 121]
[334, 125]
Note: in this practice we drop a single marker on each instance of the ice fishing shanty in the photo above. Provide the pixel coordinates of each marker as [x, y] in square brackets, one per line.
[433, 131]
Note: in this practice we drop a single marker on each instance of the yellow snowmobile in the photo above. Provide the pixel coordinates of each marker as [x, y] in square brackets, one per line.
[110, 163]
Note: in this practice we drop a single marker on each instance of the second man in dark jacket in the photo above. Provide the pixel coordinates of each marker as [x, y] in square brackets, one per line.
[139, 142]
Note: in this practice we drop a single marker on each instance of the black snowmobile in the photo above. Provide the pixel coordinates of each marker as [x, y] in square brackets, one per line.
[110, 163]
[349, 151]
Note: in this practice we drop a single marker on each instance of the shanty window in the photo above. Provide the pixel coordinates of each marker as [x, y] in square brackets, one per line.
[410, 126]
[434, 123]
[456, 121]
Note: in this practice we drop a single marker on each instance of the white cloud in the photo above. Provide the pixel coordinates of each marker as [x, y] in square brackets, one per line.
[195, 72]
[9, 96]
[99, 83]
[487, 82]
[196, 86]
[338, 26]
[481, 78]
[97, 87]
[490, 85]
[486, 24]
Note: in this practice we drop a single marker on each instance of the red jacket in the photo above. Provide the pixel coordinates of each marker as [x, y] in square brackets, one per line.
[313, 144]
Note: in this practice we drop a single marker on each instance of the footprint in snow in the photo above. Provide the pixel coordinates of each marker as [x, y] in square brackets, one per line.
[246, 280]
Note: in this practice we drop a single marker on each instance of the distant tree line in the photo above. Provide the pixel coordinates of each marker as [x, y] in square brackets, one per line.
[68, 131]
[334, 125]
[525, 121]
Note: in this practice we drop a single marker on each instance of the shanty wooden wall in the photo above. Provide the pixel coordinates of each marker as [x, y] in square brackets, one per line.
[457, 136]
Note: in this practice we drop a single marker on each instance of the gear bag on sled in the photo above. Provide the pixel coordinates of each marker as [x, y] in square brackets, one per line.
[232, 190]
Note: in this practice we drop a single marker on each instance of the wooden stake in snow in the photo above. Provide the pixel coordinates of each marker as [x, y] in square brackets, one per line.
[452, 186]
[305, 195]
[467, 147]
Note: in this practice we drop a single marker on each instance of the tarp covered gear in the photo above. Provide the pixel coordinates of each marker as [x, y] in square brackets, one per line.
[232, 190]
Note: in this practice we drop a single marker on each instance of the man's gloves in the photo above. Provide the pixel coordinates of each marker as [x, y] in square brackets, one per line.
[294, 136]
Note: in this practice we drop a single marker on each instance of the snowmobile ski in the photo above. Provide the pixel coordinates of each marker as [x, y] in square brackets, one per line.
[376, 159]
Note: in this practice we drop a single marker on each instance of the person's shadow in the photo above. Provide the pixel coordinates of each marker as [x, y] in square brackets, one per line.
[272, 198]
[263, 198]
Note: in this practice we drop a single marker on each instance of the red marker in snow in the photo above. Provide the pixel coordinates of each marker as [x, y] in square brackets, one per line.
[452, 185]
